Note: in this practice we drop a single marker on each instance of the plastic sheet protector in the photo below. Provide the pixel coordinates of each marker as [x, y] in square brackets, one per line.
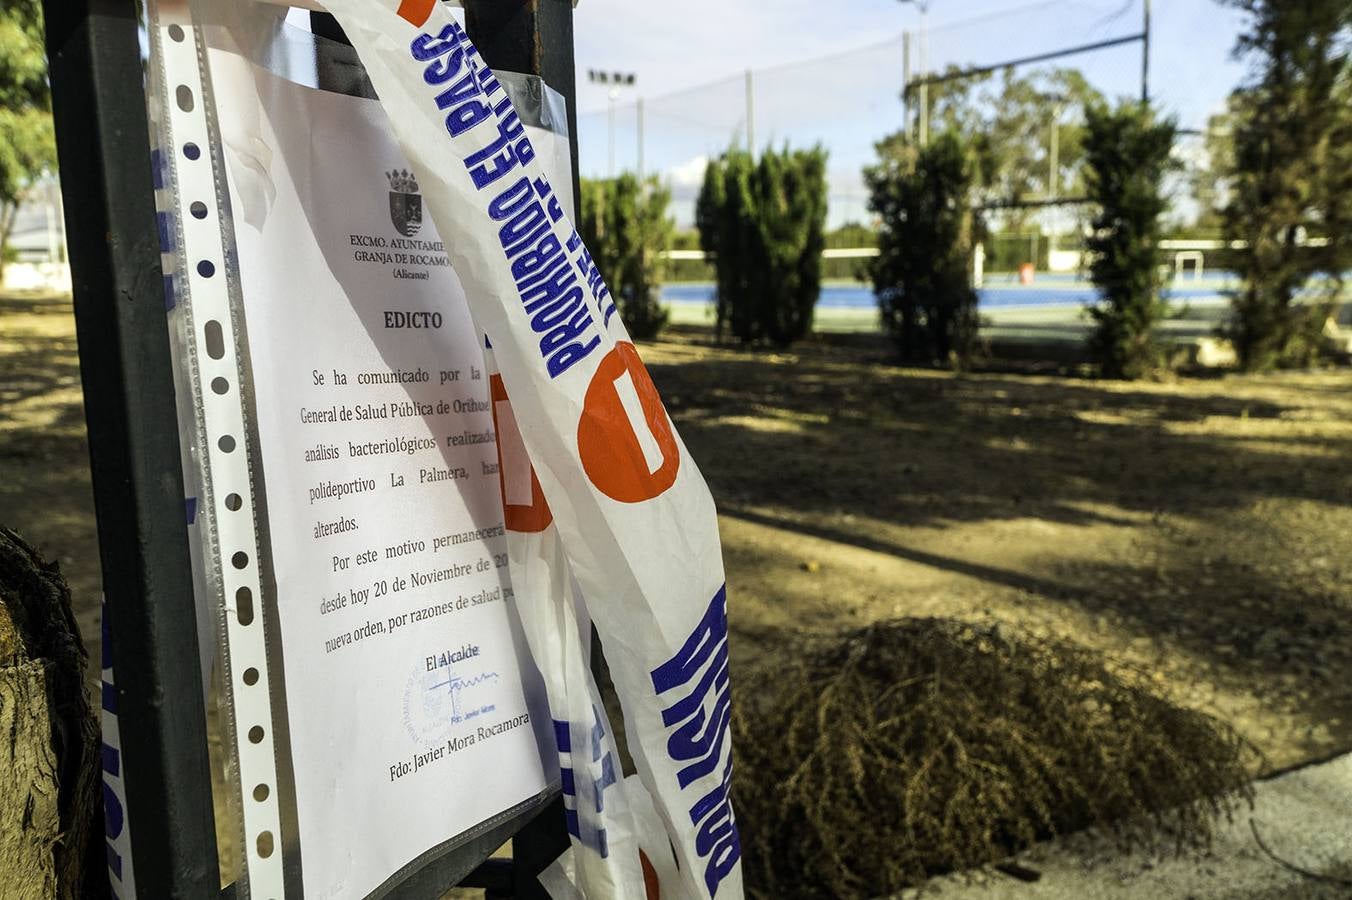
[345, 499]
[424, 461]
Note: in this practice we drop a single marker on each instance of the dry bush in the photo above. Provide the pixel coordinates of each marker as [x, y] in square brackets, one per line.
[874, 760]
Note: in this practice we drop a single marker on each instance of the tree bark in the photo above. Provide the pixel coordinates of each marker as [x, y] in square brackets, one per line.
[8, 212]
[50, 801]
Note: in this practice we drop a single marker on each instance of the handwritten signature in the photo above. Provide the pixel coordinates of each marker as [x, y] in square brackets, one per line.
[456, 685]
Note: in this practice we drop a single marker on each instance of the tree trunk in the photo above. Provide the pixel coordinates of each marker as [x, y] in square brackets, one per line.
[50, 802]
[8, 213]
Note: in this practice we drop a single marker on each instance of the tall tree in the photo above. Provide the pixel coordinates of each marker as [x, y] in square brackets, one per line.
[791, 200]
[1208, 167]
[1008, 122]
[764, 224]
[1127, 154]
[1292, 178]
[725, 215]
[27, 143]
[924, 198]
[625, 227]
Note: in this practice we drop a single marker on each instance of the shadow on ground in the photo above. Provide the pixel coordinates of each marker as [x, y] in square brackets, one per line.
[912, 447]
[44, 457]
[1199, 527]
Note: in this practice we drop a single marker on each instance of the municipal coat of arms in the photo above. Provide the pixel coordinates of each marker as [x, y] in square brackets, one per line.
[405, 202]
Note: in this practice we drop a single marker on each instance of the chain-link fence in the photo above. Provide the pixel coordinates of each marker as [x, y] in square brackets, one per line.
[849, 101]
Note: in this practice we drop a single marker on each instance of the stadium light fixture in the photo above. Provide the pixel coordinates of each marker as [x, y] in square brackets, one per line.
[614, 81]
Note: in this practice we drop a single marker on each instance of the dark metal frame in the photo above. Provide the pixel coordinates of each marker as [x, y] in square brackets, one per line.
[103, 142]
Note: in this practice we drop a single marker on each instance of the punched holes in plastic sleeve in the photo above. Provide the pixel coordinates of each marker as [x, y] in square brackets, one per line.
[244, 606]
[193, 180]
[215, 341]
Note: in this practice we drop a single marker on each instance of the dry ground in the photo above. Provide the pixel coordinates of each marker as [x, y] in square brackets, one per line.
[44, 458]
[1200, 527]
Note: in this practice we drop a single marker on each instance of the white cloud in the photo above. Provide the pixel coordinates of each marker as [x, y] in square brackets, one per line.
[689, 174]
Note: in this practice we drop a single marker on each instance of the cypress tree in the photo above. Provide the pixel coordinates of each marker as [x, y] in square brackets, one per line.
[792, 224]
[1292, 177]
[625, 226]
[922, 278]
[764, 224]
[1127, 155]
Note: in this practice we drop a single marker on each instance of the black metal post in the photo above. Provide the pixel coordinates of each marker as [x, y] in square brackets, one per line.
[534, 37]
[536, 845]
[103, 144]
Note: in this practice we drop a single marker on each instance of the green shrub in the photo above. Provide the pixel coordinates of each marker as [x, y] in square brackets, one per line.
[1127, 155]
[763, 224]
[726, 219]
[625, 226]
[922, 277]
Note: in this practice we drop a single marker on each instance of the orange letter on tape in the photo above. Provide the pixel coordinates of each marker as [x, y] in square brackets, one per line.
[608, 436]
[416, 11]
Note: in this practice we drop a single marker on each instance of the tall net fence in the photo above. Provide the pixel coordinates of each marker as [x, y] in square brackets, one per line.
[848, 101]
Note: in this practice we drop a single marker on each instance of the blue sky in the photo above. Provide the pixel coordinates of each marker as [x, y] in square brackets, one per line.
[690, 60]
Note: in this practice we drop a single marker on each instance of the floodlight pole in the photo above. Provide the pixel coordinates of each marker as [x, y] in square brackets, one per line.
[1054, 170]
[924, 67]
[614, 80]
[750, 114]
[1145, 57]
[611, 95]
[641, 161]
[906, 80]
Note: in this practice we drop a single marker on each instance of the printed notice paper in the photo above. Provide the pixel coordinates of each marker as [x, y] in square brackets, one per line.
[409, 717]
